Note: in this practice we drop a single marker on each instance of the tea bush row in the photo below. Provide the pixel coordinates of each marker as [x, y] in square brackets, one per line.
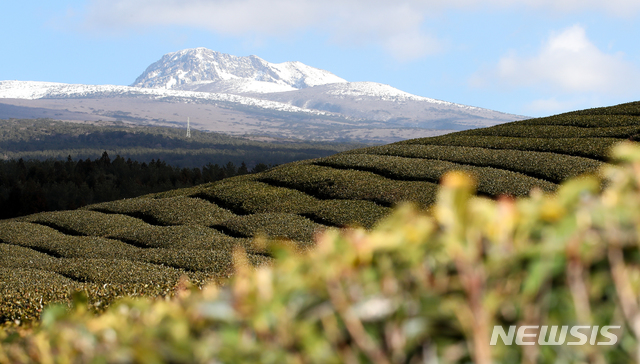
[92, 262]
[88, 269]
[594, 148]
[275, 226]
[491, 181]
[24, 293]
[188, 252]
[548, 166]
[83, 222]
[55, 243]
[331, 183]
[178, 237]
[584, 121]
[179, 210]
[253, 197]
[193, 248]
[554, 131]
[134, 231]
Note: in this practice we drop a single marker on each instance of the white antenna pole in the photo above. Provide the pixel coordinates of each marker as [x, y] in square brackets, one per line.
[188, 129]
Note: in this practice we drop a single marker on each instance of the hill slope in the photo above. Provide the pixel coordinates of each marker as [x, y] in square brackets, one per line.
[143, 245]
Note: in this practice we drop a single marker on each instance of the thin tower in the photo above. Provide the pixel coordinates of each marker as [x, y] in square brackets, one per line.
[188, 129]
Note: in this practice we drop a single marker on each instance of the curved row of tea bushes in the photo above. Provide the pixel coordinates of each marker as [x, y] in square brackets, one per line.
[87, 269]
[246, 197]
[83, 222]
[252, 197]
[183, 247]
[594, 148]
[180, 210]
[178, 237]
[584, 121]
[331, 183]
[491, 181]
[113, 219]
[25, 292]
[548, 166]
[275, 226]
[190, 258]
[141, 234]
[134, 231]
[104, 268]
[57, 244]
[554, 131]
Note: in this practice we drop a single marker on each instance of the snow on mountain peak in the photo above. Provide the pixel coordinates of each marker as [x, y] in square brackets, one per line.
[203, 69]
[384, 93]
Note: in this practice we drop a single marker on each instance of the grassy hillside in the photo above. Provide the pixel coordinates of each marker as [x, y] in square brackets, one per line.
[143, 245]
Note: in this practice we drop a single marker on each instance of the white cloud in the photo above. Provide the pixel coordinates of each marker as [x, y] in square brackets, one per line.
[623, 8]
[395, 26]
[568, 61]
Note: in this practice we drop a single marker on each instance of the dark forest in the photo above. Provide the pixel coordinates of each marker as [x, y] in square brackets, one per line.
[33, 186]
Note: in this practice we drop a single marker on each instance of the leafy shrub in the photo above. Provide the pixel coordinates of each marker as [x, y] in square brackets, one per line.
[418, 288]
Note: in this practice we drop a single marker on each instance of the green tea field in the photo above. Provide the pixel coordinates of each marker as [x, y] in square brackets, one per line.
[143, 246]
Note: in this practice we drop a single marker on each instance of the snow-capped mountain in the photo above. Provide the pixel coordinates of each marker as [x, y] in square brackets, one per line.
[201, 69]
[249, 96]
[32, 90]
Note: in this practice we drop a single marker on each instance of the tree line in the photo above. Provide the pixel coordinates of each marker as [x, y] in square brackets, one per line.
[32, 186]
[44, 138]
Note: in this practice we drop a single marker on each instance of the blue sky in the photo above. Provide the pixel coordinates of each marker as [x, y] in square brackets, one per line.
[528, 57]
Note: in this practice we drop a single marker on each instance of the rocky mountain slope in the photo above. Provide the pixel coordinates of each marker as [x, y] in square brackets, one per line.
[201, 69]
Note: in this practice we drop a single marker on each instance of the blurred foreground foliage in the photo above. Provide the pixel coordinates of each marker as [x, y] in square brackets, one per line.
[419, 288]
